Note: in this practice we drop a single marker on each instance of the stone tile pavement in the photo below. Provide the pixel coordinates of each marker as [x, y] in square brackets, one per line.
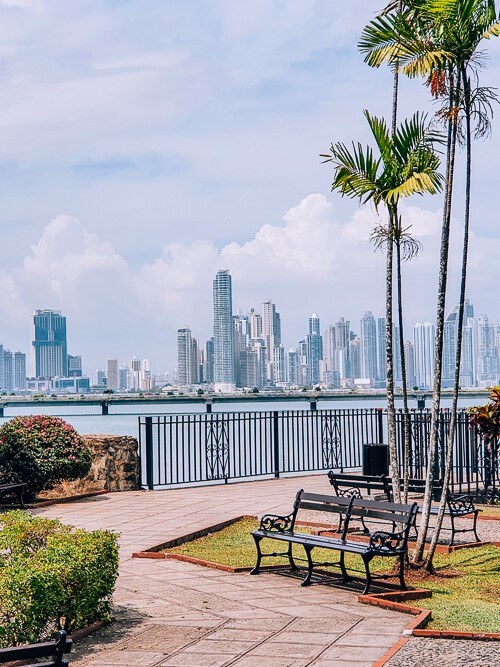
[174, 614]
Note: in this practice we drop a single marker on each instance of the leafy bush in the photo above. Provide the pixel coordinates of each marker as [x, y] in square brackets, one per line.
[52, 576]
[42, 451]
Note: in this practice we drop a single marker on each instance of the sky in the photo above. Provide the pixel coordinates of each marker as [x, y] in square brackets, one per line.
[146, 144]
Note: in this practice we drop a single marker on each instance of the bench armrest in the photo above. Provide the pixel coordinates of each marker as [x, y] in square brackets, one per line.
[384, 542]
[276, 523]
[461, 504]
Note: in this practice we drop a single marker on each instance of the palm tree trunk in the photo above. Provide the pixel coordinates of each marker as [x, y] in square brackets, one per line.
[389, 352]
[460, 324]
[401, 343]
[440, 312]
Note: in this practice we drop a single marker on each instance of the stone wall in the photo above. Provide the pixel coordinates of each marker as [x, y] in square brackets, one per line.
[115, 467]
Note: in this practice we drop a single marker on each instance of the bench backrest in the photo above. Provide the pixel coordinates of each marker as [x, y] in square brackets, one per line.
[401, 516]
[350, 484]
[318, 502]
[416, 485]
[55, 650]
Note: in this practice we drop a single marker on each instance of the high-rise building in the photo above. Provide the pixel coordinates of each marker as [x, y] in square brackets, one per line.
[314, 350]
[8, 369]
[424, 345]
[355, 357]
[487, 364]
[410, 364]
[74, 366]
[381, 355]
[19, 371]
[208, 361]
[293, 368]
[368, 347]
[49, 345]
[113, 376]
[186, 359]
[255, 321]
[271, 333]
[224, 376]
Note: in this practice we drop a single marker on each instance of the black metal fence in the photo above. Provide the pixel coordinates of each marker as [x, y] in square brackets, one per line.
[188, 449]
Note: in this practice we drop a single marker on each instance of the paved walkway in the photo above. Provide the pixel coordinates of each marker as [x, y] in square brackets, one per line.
[181, 615]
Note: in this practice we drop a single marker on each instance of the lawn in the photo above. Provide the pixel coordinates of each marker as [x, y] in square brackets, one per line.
[466, 587]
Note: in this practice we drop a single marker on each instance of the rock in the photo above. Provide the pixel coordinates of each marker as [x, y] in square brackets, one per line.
[115, 467]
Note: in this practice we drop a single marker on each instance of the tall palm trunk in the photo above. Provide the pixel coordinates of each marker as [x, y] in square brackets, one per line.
[389, 347]
[394, 456]
[460, 322]
[401, 343]
[440, 312]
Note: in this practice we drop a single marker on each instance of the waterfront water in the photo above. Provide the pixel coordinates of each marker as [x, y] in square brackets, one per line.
[123, 419]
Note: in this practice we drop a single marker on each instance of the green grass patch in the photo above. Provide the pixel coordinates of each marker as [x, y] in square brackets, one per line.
[469, 602]
[466, 588]
[490, 510]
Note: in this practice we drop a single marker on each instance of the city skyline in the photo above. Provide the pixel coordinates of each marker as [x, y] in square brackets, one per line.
[248, 350]
[132, 125]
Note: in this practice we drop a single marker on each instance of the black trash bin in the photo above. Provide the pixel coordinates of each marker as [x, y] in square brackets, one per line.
[375, 458]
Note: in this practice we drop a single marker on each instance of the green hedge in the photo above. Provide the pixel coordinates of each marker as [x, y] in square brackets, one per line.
[52, 576]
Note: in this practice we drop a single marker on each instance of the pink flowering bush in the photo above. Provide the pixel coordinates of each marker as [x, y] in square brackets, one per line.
[42, 451]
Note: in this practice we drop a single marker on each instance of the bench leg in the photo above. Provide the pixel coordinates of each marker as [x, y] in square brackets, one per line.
[256, 569]
[293, 566]
[402, 581]
[474, 526]
[366, 562]
[21, 499]
[307, 581]
[452, 531]
[345, 576]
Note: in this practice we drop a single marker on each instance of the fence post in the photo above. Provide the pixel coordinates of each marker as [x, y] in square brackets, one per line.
[380, 426]
[276, 445]
[149, 452]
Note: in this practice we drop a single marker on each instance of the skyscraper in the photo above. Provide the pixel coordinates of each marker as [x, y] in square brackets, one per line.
[49, 345]
[224, 377]
[187, 357]
[487, 367]
[424, 345]
[113, 376]
[368, 347]
[381, 356]
[314, 350]
[19, 371]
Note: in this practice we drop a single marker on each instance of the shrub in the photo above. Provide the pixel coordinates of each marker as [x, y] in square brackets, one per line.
[52, 576]
[42, 451]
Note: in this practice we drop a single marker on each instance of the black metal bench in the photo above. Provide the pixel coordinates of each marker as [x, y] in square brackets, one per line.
[393, 543]
[54, 650]
[359, 486]
[12, 490]
[457, 506]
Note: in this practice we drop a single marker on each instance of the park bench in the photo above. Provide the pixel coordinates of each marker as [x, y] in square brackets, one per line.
[11, 490]
[54, 650]
[457, 506]
[385, 543]
[359, 486]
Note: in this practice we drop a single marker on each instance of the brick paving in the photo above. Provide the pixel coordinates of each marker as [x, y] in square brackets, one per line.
[174, 614]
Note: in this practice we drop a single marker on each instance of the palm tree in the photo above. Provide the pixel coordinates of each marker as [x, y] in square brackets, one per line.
[406, 164]
[406, 248]
[437, 39]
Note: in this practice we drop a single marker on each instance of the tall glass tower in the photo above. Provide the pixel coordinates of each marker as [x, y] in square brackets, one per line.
[49, 346]
[368, 346]
[224, 376]
[314, 342]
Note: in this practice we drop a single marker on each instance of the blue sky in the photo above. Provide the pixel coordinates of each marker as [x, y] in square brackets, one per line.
[146, 143]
